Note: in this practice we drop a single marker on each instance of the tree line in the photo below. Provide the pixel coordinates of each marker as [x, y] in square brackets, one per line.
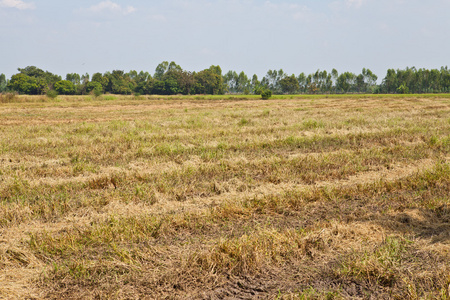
[171, 79]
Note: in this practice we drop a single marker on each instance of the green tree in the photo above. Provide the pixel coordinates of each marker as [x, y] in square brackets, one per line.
[164, 67]
[216, 70]
[42, 80]
[360, 84]
[170, 79]
[84, 80]
[95, 87]
[120, 83]
[301, 78]
[370, 79]
[289, 84]
[158, 87]
[102, 80]
[256, 85]
[186, 82]
[65, 87]
[160, 70]
[272, 80]
[132, 74]
[74, 78]
[24, 84]
[321, 81]
[237, 83]
[334, 76]
[171, 86]
[3, 83]
[141, 82]
[230, 80]
[243, 83]
[173, 80]
[37, 73]
[390, 82]
[174, 67]
[209, 81]
[445, 79]
[45, 80]
[345, 82]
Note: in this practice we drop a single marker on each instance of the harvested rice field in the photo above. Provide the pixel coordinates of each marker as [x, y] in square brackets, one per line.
[226, 198]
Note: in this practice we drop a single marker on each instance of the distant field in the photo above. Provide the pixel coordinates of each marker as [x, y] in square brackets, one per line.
[304, 197]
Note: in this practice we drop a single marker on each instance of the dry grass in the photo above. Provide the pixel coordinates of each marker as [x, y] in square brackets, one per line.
[173, 198]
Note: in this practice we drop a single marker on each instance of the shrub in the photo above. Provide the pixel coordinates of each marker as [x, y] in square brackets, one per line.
[403, 89]
[243, 122]
[52, 94]
[97, 92]
[266, 94]
[137, 96]
[95, 88]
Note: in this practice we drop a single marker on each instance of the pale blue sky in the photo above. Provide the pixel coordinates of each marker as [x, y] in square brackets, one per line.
[249, 35]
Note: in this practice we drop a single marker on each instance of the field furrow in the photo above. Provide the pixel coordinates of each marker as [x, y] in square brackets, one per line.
[208, 199]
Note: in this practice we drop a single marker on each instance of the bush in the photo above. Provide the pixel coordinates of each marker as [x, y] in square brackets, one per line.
[403, 89]
[96, 92]
[266, 94]
[137, 96]
[95, 87]
[52, 94]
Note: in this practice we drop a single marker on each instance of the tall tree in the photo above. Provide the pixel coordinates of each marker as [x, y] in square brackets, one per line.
[119, 83]
[25, 84]
[256, 85]
[390, 82]
[209, 81]
[174, 67]
[44, 79]
[345, 82]
[140, 81]
[272, 80]
[301, 78]
[103, 80]
[164, 67]
[74, 78]
[186, 82]
[370, 79]
[230, 80]
[3, 83]
[289, 84]
[65, 87]
[160, 70]
[360, 85]
[243, 83]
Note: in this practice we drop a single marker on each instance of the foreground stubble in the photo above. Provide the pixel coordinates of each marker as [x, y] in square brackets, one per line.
[182, 198]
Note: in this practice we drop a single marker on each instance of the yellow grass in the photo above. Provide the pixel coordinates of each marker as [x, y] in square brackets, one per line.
[172, 197]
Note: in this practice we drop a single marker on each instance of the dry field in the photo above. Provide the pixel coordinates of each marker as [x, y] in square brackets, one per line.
[295, 198]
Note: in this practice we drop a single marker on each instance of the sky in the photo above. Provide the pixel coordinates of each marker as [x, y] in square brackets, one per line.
[89, 36]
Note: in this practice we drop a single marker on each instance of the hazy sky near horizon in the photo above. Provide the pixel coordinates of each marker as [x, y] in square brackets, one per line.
[88, 36]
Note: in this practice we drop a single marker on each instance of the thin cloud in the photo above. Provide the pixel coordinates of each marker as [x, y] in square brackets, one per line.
[17, 4]
[296, 11]
[354, 3]
[158, 18]
[111, 7]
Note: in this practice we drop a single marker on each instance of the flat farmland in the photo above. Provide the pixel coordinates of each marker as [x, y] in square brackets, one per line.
[225, 198]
